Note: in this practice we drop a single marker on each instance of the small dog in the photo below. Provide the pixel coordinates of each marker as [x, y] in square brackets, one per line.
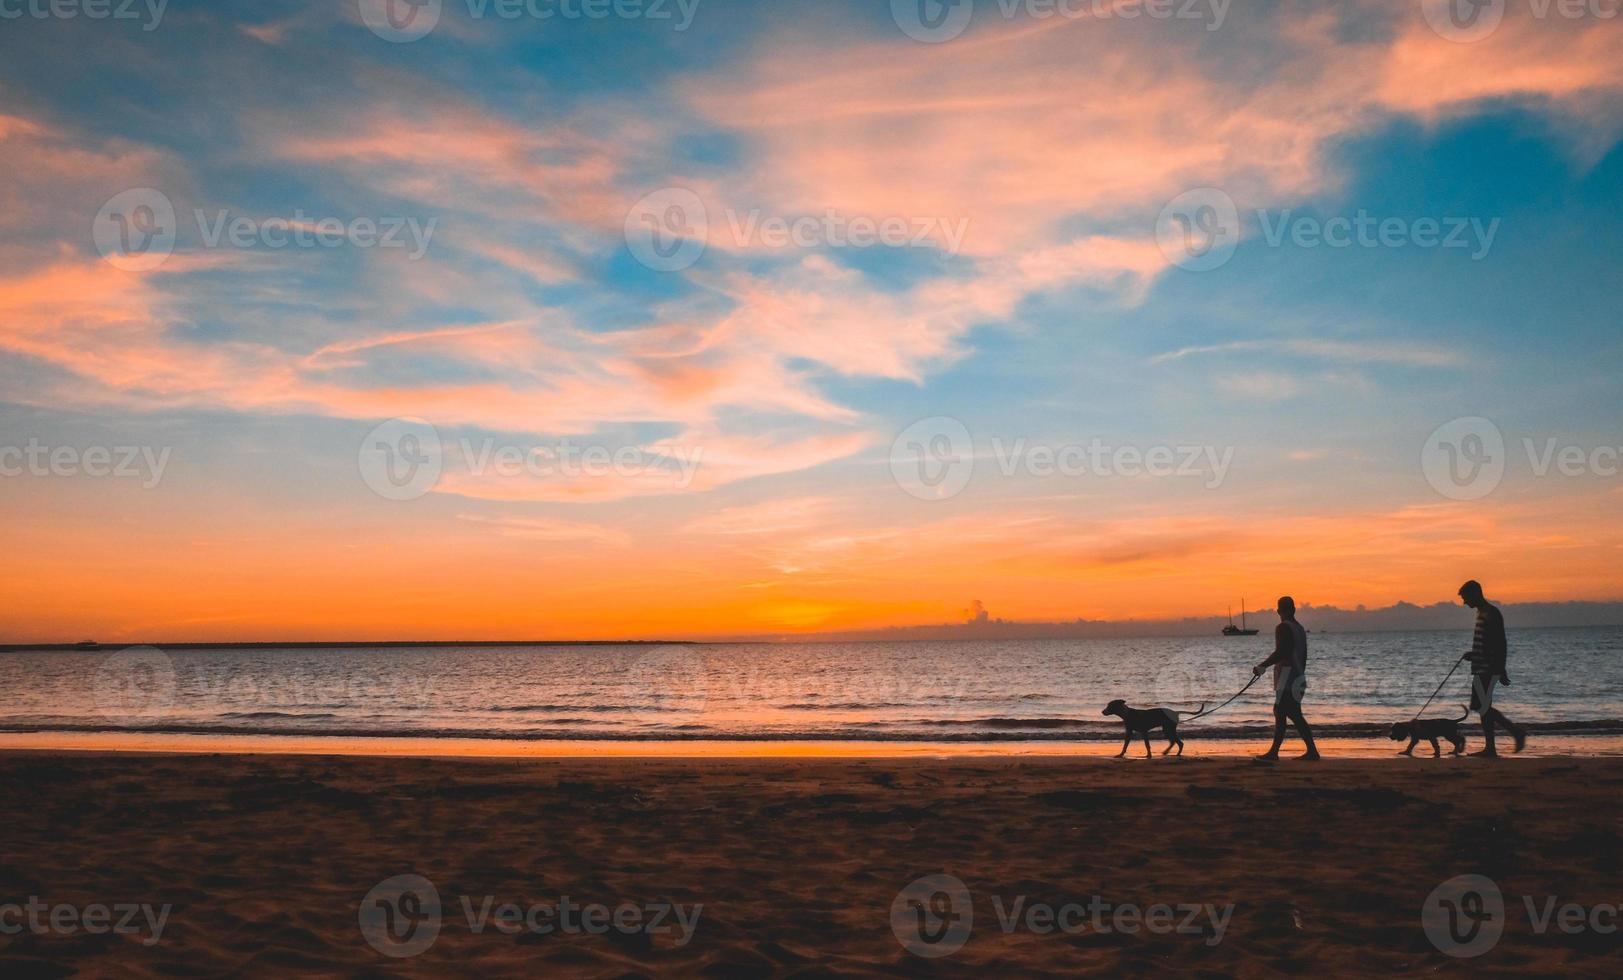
[1142, 721]
[1431, 729]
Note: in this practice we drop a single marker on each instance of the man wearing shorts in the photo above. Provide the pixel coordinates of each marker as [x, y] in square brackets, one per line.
[1487, 657]
[1289, 661]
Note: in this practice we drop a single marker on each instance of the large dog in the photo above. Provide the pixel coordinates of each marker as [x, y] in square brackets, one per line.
[1431, 729]
[1142, 721]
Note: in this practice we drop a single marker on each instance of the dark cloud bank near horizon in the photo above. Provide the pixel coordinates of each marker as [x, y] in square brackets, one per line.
[1402, 616]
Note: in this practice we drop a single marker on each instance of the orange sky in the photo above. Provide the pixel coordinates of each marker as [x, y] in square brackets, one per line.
[232, 579]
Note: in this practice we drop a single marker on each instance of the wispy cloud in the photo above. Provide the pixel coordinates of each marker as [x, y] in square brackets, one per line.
[1342, 351]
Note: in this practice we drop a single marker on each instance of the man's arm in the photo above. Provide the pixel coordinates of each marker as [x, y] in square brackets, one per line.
[1497, 646]
[1477, 656]
[1282, 650]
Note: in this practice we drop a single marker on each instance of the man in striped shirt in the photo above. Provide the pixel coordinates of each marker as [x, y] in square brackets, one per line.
[1489, 650]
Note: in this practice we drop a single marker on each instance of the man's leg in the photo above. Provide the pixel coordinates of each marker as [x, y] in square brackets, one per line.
[1482, 700]
[1279, 731]
[1295, 711]
[1497, 717]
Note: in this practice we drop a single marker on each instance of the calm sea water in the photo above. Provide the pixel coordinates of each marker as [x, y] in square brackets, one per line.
[1563, 680]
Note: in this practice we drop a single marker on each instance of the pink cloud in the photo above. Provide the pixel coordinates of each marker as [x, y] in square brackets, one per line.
[1026, 134]
[1019, 127]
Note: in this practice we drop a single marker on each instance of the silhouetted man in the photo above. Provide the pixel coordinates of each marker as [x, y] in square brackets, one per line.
[1289, 661]
[1487, 657]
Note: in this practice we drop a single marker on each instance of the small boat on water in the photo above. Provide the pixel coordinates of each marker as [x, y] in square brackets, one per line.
[1240, 630]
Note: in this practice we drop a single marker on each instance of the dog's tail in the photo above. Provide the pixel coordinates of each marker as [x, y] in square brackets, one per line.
[1465, 712]
[1197, 711]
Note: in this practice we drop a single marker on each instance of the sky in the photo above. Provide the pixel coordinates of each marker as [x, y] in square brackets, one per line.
[376, 319]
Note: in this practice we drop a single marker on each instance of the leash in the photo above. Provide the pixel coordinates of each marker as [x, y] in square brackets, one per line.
[1434, 694]
[1254, 679]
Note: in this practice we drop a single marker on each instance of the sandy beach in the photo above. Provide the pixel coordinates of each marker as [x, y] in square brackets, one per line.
[260, 865]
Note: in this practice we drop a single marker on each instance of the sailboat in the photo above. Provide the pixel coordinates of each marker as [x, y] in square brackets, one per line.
[1240, 630]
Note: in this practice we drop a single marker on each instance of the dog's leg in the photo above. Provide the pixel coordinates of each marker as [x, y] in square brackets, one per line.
[1436, 750]
[1125, 742]
[1413, 741]
[1172, 739]
[1147, 752]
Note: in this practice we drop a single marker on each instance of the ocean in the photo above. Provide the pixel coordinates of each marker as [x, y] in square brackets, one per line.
[1567, 681]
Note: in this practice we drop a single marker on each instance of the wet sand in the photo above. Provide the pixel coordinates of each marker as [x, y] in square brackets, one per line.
[792, 865]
